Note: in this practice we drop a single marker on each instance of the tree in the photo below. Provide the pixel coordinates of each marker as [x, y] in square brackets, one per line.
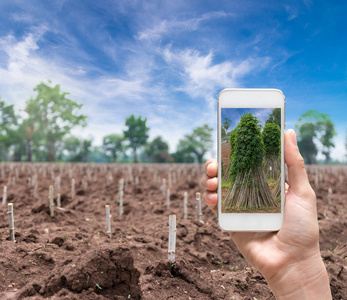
[232, 142]
[75, 149]
[328, 132]
[197, 143]
[314, 127]
[54, 115]
[8, 122]
[249, 188]
[137, 133]
[113, 145]
[226, 123]
[158, 151]
[182, 154]
[272, 145]
[275, 117]
[308, 148]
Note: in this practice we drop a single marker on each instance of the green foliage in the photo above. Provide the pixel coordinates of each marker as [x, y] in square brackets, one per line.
[158, 151]
[272, 139]
[223, 133]
[226, 124]
[275, 117]
[248, 146]
[328, 132]
[182, 155]
[113, 145]
[314, 127]
[195, 144]
[308, 149]
[75, 149]
[232, 138]
[8, 122]
[53, 115]
[137, 133]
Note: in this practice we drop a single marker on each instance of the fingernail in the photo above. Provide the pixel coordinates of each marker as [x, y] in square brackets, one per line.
[293, 136]
[211, 196]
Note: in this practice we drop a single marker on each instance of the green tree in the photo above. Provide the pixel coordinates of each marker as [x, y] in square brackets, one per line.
[314, 127]
[223, 133]
[275, 117]
[137, 133]
[158, 151]
[308, 149]
[113, 145]
[272, 145]
[74, 149]
[249, 187]
[54, 115]
[328, 132]
[232, 138]
[182, 154]
[226, 123]
[8, 122]
[197, 143]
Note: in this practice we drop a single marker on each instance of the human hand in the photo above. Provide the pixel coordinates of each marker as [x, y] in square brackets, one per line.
[289, 259]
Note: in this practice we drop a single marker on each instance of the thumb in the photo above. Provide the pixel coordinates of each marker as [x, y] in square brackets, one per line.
[297, 176]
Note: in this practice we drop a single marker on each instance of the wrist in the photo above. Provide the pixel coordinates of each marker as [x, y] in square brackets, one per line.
[302, 280]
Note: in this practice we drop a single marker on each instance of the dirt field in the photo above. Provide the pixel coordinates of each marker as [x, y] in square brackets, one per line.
[70, 256]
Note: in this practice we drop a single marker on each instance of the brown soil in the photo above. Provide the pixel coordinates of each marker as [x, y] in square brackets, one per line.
[69, 256]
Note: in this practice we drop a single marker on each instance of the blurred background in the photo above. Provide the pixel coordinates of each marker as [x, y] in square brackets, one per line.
[123, 81]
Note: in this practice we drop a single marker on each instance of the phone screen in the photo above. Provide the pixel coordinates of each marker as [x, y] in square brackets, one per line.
[250, 160]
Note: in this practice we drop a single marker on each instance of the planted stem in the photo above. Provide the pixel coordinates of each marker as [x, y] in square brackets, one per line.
[51, 202]
[172, 238]
[185, 205]
[58, 200]
[11, 221]
[329, 197]
[198, 207]
[4, 195]
[72, 188]
[121, 203]
[168, 198]
[108, 221]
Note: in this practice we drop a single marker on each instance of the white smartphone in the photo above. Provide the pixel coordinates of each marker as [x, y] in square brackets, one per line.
[250, 159]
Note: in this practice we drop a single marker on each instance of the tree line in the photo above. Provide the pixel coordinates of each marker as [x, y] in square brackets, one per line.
[44, 134]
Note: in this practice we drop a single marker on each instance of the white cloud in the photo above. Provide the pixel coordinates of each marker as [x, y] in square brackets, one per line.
[202, 77]
[164, 27]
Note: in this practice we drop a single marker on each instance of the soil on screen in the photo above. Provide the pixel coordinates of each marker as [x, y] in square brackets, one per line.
[225, 151]
[70, 257]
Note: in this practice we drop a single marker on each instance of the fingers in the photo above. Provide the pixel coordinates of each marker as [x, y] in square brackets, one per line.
[211, 200]
[297, 176]
[211, 167]
[210, 184]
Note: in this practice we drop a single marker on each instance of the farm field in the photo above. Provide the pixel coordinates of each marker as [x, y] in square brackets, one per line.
[70, 256]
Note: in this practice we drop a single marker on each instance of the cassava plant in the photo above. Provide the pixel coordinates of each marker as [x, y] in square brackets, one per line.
[226, 171]
[249, 188]
[272, 145]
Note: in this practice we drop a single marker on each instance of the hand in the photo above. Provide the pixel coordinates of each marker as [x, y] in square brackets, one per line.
[289, 259]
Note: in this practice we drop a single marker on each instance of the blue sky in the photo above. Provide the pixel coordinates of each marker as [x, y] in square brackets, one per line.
[168, 60]
[235, 114]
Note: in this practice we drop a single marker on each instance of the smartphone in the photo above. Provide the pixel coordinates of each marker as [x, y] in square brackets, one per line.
[250, 159]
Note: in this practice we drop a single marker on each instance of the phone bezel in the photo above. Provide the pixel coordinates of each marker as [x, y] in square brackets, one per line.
[250, 98]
